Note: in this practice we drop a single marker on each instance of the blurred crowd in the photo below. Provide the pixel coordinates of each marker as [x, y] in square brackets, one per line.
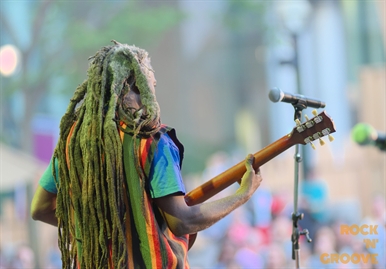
[244, 241]
[258, 234]
[22, 256]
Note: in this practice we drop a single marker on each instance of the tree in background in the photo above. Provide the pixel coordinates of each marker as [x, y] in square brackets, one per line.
[62, 35]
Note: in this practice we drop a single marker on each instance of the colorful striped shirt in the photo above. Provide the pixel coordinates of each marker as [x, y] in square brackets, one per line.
[165, 176]
[150, 243]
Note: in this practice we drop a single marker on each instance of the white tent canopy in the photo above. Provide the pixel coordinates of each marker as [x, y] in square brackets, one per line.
[17, 168]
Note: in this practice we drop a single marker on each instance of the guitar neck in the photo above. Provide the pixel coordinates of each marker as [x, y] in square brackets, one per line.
[235, 173]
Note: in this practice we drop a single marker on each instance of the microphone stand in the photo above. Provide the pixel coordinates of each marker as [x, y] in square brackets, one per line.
[296, 216]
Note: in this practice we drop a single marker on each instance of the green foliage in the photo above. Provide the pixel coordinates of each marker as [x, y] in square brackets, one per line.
[246, 16]
[132, 22]
[94, 26]
[61, 36]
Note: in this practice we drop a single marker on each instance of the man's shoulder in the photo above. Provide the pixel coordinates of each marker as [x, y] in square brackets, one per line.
[165, 129]
[169, 136]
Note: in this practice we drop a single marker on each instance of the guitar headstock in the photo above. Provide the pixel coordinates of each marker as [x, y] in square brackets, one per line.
[319, 126]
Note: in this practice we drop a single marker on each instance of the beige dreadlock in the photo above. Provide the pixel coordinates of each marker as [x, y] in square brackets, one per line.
[90, 202]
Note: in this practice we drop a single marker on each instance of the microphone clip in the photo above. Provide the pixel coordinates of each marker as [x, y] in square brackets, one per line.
[300, 104]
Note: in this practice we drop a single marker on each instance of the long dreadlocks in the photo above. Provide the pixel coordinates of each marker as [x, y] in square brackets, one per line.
[90, 201]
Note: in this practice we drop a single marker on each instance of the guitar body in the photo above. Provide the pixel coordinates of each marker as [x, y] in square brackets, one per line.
[316, 128]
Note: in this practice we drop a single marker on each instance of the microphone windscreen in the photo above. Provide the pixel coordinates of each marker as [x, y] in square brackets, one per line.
[275, 95]
[362, 133]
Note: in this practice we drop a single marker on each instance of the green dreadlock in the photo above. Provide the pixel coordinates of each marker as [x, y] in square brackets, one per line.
[90, 201]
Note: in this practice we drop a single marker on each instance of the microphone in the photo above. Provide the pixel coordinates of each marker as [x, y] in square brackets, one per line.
[276, 95]
[365, 134]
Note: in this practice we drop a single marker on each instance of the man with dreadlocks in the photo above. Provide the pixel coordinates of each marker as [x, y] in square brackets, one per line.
[114, 187]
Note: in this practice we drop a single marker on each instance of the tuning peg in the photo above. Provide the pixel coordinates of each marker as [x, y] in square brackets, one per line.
[331, 138]
[321, 142]
[297, 121]
[312, 145]
[306, 117]
[314, 112]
